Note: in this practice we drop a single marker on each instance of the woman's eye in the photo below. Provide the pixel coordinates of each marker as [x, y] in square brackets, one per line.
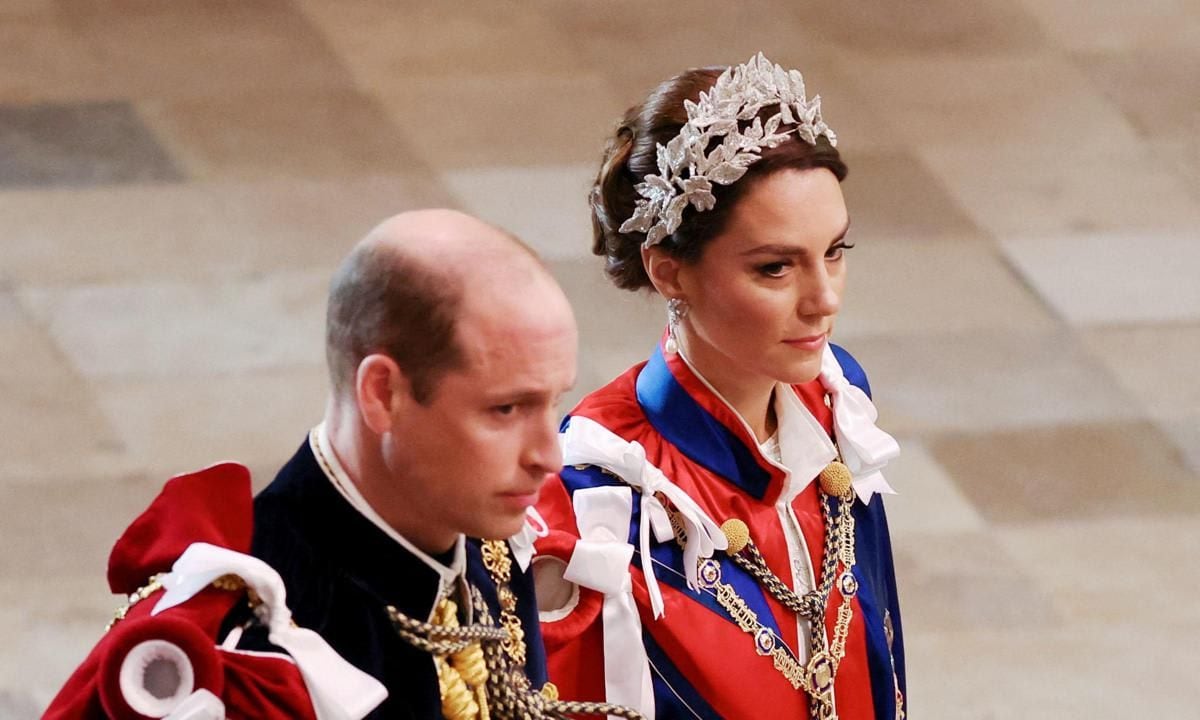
[775, 269]
[837, 251]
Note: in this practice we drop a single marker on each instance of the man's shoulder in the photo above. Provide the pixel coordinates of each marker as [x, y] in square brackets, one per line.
[292, 481]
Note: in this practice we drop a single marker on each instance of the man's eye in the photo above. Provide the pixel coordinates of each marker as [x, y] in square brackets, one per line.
[507, 409]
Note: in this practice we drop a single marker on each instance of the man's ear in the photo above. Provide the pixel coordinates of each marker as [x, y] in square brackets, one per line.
[380, 387]
[663, 270]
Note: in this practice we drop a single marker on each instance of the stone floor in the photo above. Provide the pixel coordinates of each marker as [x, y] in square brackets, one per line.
[177, 180]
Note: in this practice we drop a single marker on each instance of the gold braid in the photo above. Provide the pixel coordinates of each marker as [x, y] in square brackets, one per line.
[481, 667]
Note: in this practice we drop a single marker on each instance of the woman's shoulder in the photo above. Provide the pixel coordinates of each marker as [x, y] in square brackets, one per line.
[614, 405]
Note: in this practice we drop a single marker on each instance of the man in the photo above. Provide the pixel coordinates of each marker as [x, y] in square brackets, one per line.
[449, 345]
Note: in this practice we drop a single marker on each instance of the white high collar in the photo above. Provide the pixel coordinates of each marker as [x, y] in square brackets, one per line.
[805, 447]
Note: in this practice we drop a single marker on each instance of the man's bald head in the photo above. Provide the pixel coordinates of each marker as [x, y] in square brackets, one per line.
[401, 290]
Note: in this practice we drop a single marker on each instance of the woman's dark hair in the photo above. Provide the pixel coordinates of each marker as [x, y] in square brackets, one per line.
[632, 153]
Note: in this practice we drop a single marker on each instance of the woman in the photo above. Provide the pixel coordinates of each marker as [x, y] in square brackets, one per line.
[716, 549]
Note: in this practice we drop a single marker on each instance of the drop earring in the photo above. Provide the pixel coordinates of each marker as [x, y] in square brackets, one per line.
[677, 310]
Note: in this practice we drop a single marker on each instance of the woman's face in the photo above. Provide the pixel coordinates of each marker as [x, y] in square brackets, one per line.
[764, 294]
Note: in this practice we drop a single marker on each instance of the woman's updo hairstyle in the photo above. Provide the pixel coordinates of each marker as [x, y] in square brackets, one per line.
[632, 153]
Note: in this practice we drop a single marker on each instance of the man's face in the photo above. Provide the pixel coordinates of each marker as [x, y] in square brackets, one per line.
[474, 456]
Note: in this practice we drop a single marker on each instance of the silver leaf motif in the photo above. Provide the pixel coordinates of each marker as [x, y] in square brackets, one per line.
[687, 174]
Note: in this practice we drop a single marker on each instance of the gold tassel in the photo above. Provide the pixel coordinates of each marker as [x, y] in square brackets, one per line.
[463, 677]
[457, 701]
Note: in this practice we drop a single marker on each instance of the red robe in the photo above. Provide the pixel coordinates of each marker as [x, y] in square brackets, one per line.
[211, 506]
[702, 664]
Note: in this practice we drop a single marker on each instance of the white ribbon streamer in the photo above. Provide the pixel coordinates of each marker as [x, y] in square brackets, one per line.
[587, 442]
[522, 544]
[865, 448]
[600, 561]
[338, 690]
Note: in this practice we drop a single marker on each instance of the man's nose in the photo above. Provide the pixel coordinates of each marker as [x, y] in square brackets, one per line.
[543, 453]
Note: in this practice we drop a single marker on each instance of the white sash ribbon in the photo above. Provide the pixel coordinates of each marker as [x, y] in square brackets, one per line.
[587, 442]
[338, 690]
[865, 448]
[600, 561]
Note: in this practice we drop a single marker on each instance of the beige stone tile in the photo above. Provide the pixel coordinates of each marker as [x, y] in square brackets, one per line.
[928, 503]
[17, 703]
[1115, 278]
[622, 43]
[1155, 364]
[617, 328]
[379, 41]
[1183, 156]
[916, 287]
[517, 119]
[167, 330]
[1049, 190]
[958, 581]
[1097, 570]
[180, 424]
[1115, 24]
[637, 45]
[1069, 471]
[869, 139]
[42, 60]
[15, 9]
[195, 233]
[205, 49]
[942, 26]
[338, 132]
[544, 206]
[48, 632]
[66, 527]
[1075, 672]
[986, 380]
[1005, 102]
[1184, 433]
[50, 424]
[893, 196]
[1156, 86]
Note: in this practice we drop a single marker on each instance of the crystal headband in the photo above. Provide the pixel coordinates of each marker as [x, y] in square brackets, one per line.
[687, 174]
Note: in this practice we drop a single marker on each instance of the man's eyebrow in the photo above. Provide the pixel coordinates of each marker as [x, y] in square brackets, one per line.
[522, 394]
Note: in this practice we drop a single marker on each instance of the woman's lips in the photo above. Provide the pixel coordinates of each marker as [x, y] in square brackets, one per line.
[811, 343]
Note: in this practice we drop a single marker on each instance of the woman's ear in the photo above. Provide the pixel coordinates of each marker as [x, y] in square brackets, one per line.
[663, 271]
[380, 387]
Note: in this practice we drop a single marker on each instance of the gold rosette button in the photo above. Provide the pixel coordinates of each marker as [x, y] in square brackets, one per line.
[835, 479]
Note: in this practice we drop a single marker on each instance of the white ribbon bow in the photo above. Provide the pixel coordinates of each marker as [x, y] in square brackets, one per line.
[338, 690]
[587, 442]
[600, 561]
[865, 448]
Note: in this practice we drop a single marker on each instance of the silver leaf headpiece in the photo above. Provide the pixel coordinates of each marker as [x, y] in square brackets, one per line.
[687, 171]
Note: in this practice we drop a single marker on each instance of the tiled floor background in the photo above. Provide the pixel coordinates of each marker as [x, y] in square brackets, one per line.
[178, 179]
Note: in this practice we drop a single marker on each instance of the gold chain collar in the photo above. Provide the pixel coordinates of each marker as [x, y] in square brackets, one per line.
[816, 677]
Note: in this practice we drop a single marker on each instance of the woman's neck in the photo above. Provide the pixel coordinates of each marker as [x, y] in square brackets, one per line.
[751, 396]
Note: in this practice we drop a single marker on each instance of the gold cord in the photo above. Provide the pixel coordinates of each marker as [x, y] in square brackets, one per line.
[481, 667]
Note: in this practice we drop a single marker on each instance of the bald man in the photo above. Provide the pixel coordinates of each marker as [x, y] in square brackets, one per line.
[449, 345]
